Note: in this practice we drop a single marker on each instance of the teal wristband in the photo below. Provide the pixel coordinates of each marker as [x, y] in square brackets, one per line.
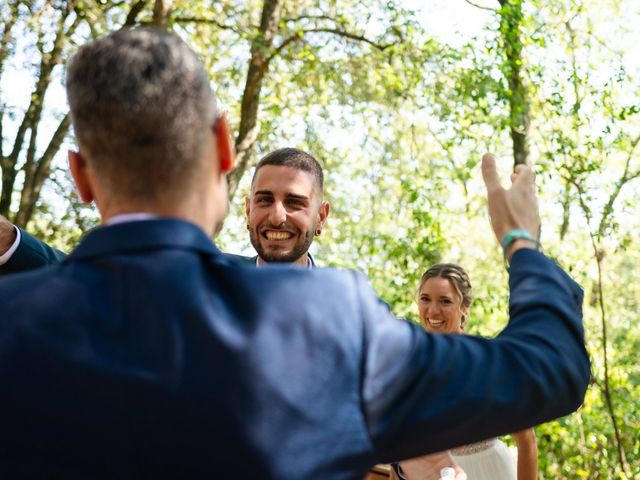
[513, 235]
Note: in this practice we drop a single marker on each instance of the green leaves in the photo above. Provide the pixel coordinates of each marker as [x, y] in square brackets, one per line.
[399, 121]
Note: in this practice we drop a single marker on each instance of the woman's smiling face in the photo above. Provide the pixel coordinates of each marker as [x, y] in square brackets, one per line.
[440, 306]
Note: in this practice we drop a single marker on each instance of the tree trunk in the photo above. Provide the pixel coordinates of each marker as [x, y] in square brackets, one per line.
[249, 127]
[6, 33]
[37, 169]
[511, 17]
[8, 180]
[33, 113]
[37, 174]
[566, 211]
[161, 13]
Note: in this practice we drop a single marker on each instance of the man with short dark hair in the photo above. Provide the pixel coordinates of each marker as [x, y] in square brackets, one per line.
[147, 353]
[285, 210]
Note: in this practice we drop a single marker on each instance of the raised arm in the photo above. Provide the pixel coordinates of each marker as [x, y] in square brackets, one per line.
[425, 393]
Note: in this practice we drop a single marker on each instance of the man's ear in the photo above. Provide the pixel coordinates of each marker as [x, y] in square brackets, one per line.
[224, 149]
[247, 208]
[323, 213]
[80, 174]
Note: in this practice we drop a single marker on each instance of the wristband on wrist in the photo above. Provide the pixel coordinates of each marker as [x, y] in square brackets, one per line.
[516, 234]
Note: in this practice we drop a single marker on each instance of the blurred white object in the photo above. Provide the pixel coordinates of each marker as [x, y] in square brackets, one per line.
[447, 473]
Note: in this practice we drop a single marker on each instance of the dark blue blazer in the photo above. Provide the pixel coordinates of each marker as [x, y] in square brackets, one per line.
[148, 354]
[31, 253]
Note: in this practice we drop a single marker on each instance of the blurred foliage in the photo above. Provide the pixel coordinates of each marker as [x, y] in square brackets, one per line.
[400, 133]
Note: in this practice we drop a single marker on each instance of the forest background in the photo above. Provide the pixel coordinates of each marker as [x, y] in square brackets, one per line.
[398, 99]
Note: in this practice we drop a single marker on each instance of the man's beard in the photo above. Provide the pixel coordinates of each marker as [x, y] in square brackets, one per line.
[298, 250]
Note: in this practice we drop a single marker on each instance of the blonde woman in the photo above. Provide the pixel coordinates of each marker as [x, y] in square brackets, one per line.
[444, 298]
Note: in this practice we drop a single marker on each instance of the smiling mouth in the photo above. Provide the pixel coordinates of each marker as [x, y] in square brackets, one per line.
[435, 323]
[277, 235]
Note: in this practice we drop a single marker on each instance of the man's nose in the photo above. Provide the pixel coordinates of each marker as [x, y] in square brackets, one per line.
[277, 213]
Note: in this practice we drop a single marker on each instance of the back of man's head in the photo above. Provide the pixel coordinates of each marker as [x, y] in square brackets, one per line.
[295, 158]
[142, 110]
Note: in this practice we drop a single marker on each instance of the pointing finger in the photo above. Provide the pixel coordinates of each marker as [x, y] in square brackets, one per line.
[489, 172]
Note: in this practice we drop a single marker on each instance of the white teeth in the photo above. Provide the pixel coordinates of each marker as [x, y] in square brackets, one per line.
[278, 235]
[436, 323]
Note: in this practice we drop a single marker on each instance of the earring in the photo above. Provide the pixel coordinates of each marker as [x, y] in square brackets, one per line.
[318, 231]
[248, 228]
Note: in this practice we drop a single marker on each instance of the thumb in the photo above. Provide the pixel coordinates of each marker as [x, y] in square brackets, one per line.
[489, 172]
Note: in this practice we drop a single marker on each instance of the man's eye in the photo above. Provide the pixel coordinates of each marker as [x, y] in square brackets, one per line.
[263, 200]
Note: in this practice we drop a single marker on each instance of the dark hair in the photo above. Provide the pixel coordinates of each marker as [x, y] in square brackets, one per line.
[295, 158]
[458, 278]
[142, 111]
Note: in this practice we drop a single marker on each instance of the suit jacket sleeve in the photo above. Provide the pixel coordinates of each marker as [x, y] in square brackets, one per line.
[424, 393]
[30, 254]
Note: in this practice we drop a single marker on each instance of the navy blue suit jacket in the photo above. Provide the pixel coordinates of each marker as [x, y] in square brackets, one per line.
[147, 353]
[31, 253]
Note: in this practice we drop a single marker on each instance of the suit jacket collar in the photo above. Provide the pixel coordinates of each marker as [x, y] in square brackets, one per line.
[143, 236]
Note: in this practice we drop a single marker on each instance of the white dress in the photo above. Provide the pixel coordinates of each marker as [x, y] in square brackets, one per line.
[487, 460]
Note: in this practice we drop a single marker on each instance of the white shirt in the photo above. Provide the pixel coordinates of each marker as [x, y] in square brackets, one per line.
[4, 258]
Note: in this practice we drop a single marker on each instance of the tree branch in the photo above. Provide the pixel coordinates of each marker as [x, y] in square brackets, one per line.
[598, 257]
[351, 36]
[624, 179]
[136, 8]
[42, 170]
[293, 38]
[308, 17]
[36, 174]
[6, 33]
[335, 31]
[161, 13]
[249, 127]
[210, 21]
[480, 6]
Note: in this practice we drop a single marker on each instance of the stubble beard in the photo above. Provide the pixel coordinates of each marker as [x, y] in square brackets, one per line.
[277, 256]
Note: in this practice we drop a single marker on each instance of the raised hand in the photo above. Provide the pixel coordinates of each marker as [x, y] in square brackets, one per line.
[513, 208]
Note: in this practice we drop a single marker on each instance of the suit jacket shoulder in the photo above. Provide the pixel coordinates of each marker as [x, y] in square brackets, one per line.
[241, 259]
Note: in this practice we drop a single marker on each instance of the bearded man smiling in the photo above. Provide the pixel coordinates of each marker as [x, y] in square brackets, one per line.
[285, 208]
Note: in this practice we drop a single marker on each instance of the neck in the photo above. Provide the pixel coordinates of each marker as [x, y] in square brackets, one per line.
[189, 210]
[203, 202]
